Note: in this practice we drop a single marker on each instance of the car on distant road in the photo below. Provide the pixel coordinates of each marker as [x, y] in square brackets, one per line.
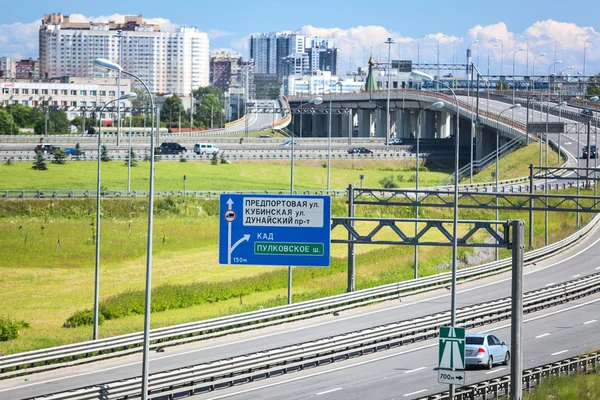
[72, 151]
[587, 112]
[359, 150]
[395, 141]
[171, 148]
[289, 143]
[263, 136]
[485, 350]
[46, 148]
[593, 154]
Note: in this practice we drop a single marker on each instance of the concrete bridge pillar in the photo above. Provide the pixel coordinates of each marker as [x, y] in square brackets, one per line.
[317, 126]
[365, 123]
[428, 124]
[336, 125]
[380, 125]
[345, 125]
[412, 123]
[444, 124]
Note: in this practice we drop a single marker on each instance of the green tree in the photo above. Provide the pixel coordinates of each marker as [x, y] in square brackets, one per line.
[58, 123]
[169, 112]
[593, 87]
[133, 156]
[104, 154]
[77, 151]
[21, 115]
[5, 122]
[40, 162]
[209, 110]
[89, 122]
[60, 157]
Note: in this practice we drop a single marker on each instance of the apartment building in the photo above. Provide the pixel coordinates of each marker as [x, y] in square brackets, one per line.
[168, 62]
[68, 94]
[7, 67]
[229, 70]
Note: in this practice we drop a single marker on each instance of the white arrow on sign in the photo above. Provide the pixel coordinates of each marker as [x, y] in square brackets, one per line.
[244, 238]
[451, 377]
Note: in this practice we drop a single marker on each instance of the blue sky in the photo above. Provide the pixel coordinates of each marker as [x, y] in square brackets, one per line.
[358, 25]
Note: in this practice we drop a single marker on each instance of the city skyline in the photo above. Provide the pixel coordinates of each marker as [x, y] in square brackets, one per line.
[357, 41]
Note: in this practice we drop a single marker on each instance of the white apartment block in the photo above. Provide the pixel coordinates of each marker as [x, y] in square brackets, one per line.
[263, 50]
[69, 94]
[168, 62]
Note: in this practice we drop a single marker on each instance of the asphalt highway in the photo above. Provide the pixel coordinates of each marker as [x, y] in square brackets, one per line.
[576, 261]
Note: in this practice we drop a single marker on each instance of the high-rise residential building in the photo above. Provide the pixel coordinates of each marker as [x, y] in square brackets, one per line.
[168, 62]
[284, 54]
[7, 67]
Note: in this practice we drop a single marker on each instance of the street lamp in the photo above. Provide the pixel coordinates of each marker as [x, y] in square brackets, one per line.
[106, 66]
[97, 263]
[489, 51]
[549, 68]
[389, 42]
[11, 114]
[533, 68]
[514, 79]
[501, 56]
[316, 100]
[559, 105]
[513, 107]
[527, 62]
[438, 104]
[584, 43]
[427, 77]
[555, 45]
[329, 136]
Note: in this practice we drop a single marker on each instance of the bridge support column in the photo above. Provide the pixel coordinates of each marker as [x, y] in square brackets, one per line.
[428, 124]
[400, 123]
[345, 125]
[412, 124]
[380, 125]
[444, 124]
[365, 123]
[317, 126]
[336, 125]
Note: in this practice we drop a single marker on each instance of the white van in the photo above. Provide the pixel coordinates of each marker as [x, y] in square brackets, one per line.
[205, 148]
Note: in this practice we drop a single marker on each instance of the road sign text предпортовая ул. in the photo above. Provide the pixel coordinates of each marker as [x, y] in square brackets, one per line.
[285, 230]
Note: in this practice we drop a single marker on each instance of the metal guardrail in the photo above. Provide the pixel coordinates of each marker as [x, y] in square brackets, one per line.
[188, 381]
[84, 352]
[532, 378]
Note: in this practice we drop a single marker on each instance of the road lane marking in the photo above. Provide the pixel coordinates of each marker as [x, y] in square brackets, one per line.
[415, 370]
[590, 322]
[496, 370]
[550, 284]
[576, 276]
[418, 391]
[328, 391]
[328, 322]
[541, 336]
[559, 352]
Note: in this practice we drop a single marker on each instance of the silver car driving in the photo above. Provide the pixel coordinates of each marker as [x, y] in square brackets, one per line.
[482, 349]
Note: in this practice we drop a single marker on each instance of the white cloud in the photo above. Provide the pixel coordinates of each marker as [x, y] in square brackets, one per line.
[21, 40]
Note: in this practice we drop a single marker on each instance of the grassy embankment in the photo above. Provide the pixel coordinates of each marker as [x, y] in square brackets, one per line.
[47, 253]
[576, 387]
[514, 165]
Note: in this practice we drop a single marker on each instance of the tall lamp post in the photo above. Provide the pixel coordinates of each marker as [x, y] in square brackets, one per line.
[316, 100]
[533, 69]
[106, 66]
[514, 79]
[489, 51]
[469, 78]
[11, 114]
[97, 261]
[329, 135]
[527, 50]
[454, 54]
[501, 56]
[438, 104]
[584, 46]
[389, 42]
[427, 77]
[513, 107]
[555, 46]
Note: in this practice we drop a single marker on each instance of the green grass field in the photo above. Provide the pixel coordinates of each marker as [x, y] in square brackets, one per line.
[201, 175]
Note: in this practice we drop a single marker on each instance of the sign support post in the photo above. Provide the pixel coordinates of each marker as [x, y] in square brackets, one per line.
[516, 325]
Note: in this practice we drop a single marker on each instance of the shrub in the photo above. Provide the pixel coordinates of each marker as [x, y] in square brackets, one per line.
[215, 159]
[104, 154]
[182, 159]
[60, 157]
[388, 182]
[40, 162]
[10, 329]
[400, 178]
[9, 162]
[82, 318]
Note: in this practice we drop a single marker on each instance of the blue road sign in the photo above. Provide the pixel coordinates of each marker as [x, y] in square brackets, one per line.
[275, 230]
